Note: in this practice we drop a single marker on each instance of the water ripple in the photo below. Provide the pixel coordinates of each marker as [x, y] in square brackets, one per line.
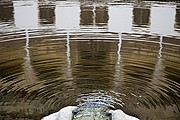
[52, 69]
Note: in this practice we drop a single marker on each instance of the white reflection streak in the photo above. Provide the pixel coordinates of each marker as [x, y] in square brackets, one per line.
[27, 47]
[160, 53]
[29, 73]
[68, 50]
[68, 73]
[94, 14]
[159, 66]
[119, 48]
[118, 76]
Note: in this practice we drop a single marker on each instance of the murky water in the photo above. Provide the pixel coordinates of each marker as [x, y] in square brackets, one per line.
[60, 53]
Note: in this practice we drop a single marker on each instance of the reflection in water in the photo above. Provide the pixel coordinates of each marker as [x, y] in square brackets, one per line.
[67, 17]
[86, 15]
[94, 15]
[68, 50]
[177, 25]
[119, 48]
[26, 14]
[144, 17]
[43, 70]
[132, 74]
[120, 18]
[141, 16]
[93, 74]
[6, 15]
[162, 19]
[47, 13]
[102, 15]
[141, 19]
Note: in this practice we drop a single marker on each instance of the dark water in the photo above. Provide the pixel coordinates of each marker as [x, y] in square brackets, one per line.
[59, 53]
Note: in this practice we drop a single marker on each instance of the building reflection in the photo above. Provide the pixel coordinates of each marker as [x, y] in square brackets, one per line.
[141, 16]
[75, 15]
[133, 73]
[6, 13]
[86, 15]
[141, 19]
[96, 74]
[102, 15]
[94, 15]
[47, 13]
[177, 19]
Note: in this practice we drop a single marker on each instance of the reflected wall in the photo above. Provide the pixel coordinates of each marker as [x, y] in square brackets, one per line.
[177, 19]
[97, 74]
[94, 15]
[141, 16]
[46, 13]
[159, 18]
[7, 10]
[141, 19]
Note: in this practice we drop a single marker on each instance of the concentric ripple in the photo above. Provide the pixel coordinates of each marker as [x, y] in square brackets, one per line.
[47, 70]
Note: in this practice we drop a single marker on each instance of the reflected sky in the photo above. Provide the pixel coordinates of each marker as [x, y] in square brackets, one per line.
[26, 14]
[154, 18]
[163, 19]
[67, 17]
[120, 18]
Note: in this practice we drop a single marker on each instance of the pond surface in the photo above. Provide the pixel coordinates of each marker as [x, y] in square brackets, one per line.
[60, 53]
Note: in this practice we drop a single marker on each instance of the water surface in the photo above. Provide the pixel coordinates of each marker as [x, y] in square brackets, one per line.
[60, 53]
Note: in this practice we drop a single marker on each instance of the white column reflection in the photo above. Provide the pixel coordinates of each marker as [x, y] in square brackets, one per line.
[67, 16]
[28, 70]
[119, 48]
[159, 66]
[26, 48]
[163, 19]
[68, 50]
[26, 14]
[119, 66]
[68, 73]
[120, 18]
[94, 14]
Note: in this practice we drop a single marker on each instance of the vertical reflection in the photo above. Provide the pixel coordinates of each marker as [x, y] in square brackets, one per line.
[68, 58]
[141, 19]
[67, 16]
[94, 15]
[177, 20]
[158, 67]
[6, 15]
[26, 14]
[120, 18]
[6, 11]
[119, 48]
[102, 15]
[119, 66]
[68, 50]
[141, 16]
[47, 13]
[93, 68]
[162, 19]
[86, 16]
[28, 70]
